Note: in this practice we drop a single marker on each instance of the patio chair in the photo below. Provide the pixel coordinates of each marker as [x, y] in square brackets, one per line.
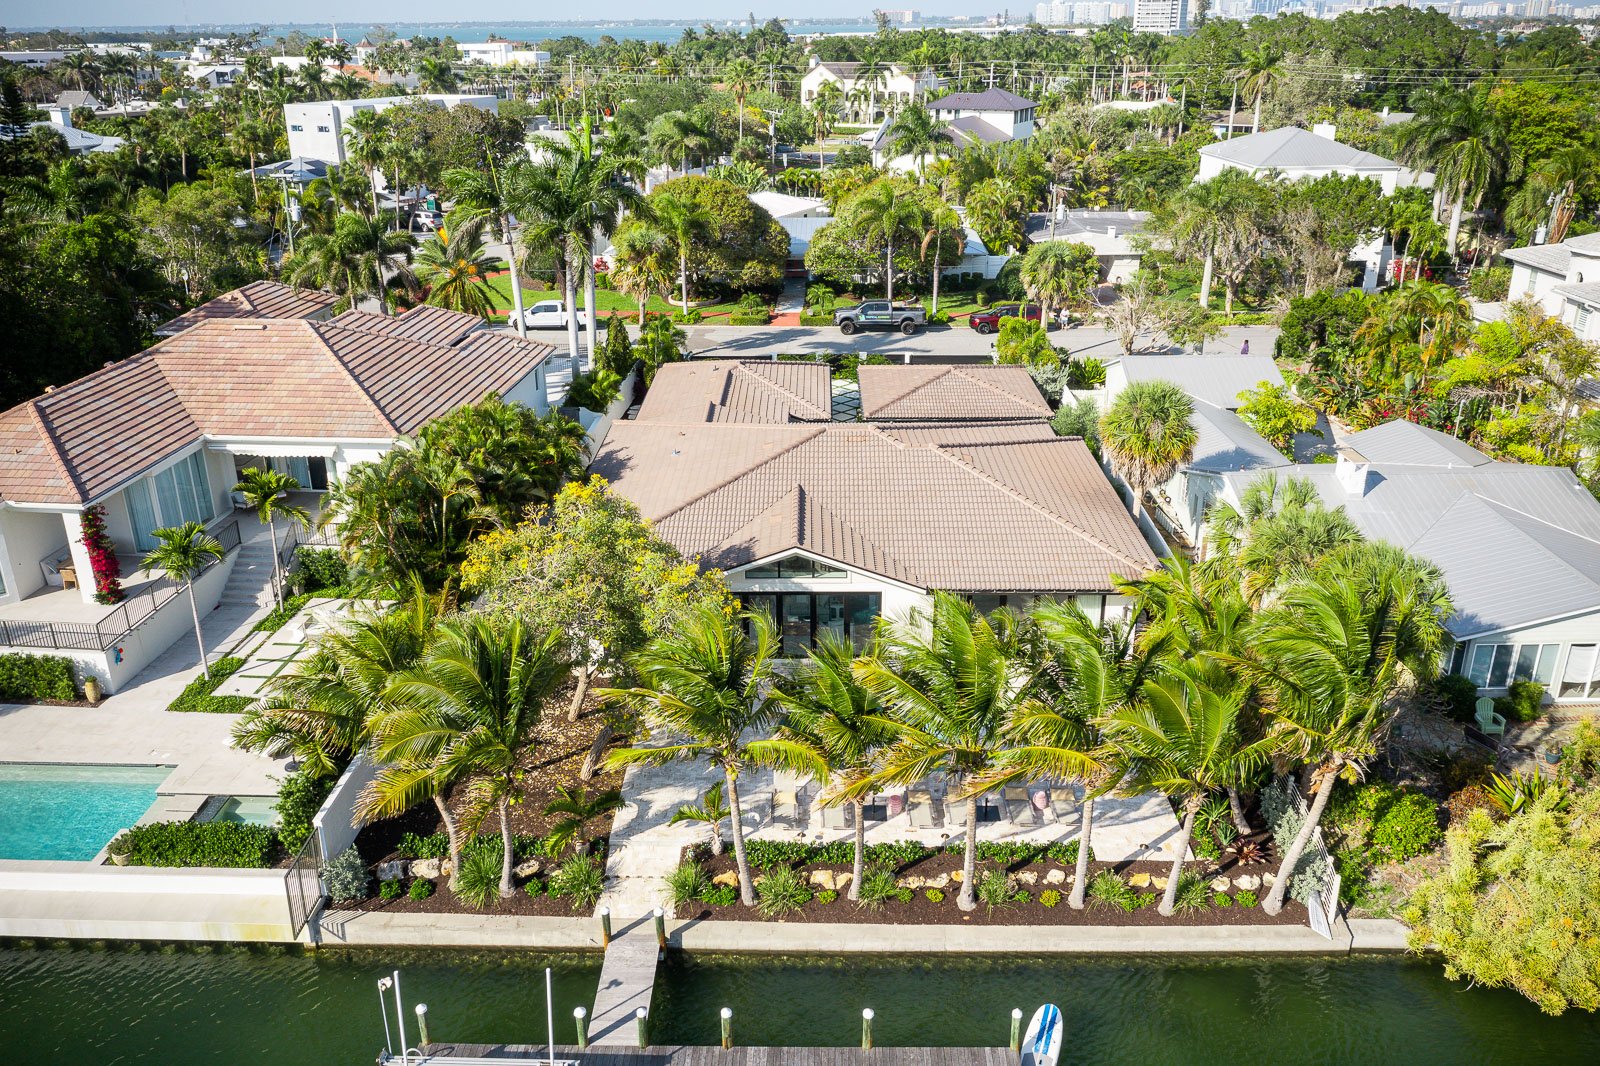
[919, 808]
[1019, 807]
[836, 817]
[786, 809]
[1489, 723]
[1063, 803]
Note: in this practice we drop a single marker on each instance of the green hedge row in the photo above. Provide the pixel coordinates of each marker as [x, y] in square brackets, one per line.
[228, 845]
[750, 320]
[30, 678]
[198, 695]
[816, 320]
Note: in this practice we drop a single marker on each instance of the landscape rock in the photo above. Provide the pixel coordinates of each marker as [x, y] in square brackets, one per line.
[957, 875]
[841, 881]
[939, 881]
[728, 877]
[1159, 882]
[1140, 880]
[1220, 884]
[1028, 877]
[912, 882]
[1055, 877]
[1268, 880]
[822, 879]
[1248, 882]
[428, 868]
[528, 868]
[392, 871]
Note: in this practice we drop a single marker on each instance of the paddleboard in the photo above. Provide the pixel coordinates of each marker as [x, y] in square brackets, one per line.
[1041, 1043]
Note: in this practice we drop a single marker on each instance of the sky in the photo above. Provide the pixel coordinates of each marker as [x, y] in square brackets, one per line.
[162, 13]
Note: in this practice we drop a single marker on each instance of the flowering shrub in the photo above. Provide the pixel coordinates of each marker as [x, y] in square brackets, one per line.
[102, 556]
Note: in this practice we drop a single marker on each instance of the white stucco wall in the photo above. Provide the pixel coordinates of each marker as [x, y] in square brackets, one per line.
[1579, 629]
[25, 538]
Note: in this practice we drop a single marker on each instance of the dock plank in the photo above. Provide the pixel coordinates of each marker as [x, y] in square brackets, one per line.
[702, 1055]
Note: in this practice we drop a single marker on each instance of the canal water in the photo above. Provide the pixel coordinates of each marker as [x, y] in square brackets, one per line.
[182, 1007]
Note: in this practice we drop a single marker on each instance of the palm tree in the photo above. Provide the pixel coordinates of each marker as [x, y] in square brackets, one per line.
[705, 685]
[455, 269]
[1459, 135]
[681, 222]
[939, 222]
[712, 810]
[1277, 534]
[365, 133]
[952, 682]
[267, 492]
[1056, 277]
[1333, 653]
[833, 716]
[1148, 433]
[1262, 70]
[679, 134]
[916, 133]
[1218, 218]
[471, 709]
[740, 77]
[183, 553]
[641, 269]
[359, 258]
[436, 76]
[890, 210]
[1089, 673]
[1183, 737]
[497, 193]
[577, 807]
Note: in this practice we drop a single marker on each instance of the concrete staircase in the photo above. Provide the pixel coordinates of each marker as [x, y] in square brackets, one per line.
[250, 584]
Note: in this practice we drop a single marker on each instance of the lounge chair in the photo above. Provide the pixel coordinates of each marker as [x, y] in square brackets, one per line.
[1490, 724]
[1063, 804]
[836, 817]
[1019, 807]
[786, 809]
[919, 808]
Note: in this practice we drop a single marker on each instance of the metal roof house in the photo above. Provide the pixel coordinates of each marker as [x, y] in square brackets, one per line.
[1562, 278]
[1519, 546]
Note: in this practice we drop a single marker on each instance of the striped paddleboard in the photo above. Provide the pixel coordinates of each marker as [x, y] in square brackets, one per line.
[1041, 1044]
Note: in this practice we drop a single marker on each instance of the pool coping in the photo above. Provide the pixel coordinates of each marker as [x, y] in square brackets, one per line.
[338, 928]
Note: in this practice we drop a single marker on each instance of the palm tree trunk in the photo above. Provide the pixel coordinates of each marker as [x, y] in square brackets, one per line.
[1455, 225]
[194, 609]
[505, 851]
[277, 576]
[1236, 807]
[968, 901]
[1205, 280]
[1169, 899]
[888, 270]
[1280, 888]
[747, 888]
[858, 861]
[589, 302]
[597, 749]
[516, 278]
[572, 319]
[1256, 126]
[582, 690]
[1080, 880]
[936, 242]
[452, 834]
[683, 279]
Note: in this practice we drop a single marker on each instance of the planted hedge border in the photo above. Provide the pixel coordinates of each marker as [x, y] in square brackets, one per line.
[226, 845]
[34, 678]
[197, 697]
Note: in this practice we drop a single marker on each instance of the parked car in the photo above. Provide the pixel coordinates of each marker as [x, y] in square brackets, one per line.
[989, 321]
[880, 314]
[546, 314]
[425, 220]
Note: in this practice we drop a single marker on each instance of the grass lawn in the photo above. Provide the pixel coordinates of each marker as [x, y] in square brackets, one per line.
[607, 300]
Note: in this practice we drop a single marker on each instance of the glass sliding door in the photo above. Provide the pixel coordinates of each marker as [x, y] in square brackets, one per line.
[142, 515]
[1578, 680]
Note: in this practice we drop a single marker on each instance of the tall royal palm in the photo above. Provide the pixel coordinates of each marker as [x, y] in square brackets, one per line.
[836, 721]
[1183, 737]
[916, 133]
[496, 193]
[892, 211]
[470, 711]
[1333, 654]
[1460, 135]
[182, 554]
[267, 493]
[364, 135]
[1217, 220]
[740, 78]
[952, 681]
[1261, 71]
[1148, 433]
[939, 224]
[704, 687]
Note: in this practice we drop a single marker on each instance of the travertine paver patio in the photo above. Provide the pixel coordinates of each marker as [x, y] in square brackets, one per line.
[289, 645]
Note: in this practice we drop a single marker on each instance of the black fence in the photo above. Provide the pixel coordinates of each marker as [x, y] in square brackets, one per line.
[105, 634]
[303, 883]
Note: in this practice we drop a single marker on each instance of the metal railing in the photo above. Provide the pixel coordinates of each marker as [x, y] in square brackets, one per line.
[129, 614]
[303, 883]
[298, 537]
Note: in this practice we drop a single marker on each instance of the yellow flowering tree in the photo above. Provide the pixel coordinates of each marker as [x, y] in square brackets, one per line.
[588, 565]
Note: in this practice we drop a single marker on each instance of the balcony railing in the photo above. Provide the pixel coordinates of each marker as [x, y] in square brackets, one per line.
[109, 631]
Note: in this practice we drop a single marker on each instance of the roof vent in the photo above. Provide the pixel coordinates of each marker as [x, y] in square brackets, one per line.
[1355, 478]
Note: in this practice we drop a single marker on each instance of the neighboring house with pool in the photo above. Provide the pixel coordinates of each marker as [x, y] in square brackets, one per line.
[159, 438]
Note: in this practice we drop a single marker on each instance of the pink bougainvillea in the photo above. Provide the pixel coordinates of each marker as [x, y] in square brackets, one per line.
[102, 556]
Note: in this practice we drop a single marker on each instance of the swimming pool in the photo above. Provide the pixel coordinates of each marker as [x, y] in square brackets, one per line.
[251, 810]
[70, 811]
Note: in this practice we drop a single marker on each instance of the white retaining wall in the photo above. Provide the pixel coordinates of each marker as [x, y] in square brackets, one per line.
[334, 824]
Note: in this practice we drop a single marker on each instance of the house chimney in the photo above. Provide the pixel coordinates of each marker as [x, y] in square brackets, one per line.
[60, 116]
[1355, 478]
[1326, 129]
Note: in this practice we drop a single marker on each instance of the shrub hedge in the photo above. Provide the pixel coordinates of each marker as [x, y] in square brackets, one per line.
[319, 568]
[1523, 701]
[228, 845]
[751, 320]
[816, 320]
[32, 678]
[198, 695]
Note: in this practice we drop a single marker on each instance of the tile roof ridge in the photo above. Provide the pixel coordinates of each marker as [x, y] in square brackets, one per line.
[54, 447]
[769, 383]
[978, 379]
[817, 431]
[948, 452]
[823, 510]
[315, 329]
[941, 371]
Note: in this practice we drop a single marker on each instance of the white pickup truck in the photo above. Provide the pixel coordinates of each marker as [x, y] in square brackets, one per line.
[546, 314]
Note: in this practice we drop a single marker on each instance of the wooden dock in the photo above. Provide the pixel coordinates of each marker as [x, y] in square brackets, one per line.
[683, 1055]
[627, 982]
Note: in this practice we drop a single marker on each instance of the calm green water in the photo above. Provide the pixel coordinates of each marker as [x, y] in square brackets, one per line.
[180, 1007]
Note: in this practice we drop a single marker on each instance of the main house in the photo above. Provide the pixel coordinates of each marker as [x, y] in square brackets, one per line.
[894, 84]
[316, 127]
[1562, 278]
[158, 439]
[993, 116]
[829, 525]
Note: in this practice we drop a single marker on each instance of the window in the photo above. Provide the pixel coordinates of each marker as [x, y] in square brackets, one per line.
[1581, 678]
[322, 129]
[792, 566]
[297, 128]
[802, 617]
[1497, 665]
[182, 494]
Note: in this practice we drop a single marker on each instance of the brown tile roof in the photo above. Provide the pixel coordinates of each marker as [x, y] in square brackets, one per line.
[971, 507]
[945, 393]
[259, 299]
[728, 390]
[255, 378]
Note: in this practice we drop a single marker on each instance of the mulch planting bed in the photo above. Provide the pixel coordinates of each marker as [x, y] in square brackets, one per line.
[922, 911]
[555, 762]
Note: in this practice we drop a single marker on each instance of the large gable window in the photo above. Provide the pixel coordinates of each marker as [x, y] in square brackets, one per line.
[793, 566]
[803, 617]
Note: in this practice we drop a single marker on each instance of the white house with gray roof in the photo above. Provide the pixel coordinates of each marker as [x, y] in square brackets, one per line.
[993, 116]
[1518, 545]
[1562, 278]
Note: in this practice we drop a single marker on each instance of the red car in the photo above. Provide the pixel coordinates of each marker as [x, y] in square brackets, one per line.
[989, 321]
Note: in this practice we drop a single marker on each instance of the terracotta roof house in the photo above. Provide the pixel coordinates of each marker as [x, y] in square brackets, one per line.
[259, 299]
[829, 526]
[732, 390]
[157, 439]
[950, 394]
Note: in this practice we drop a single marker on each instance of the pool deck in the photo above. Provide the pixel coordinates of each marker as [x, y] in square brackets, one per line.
[700, 1055]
